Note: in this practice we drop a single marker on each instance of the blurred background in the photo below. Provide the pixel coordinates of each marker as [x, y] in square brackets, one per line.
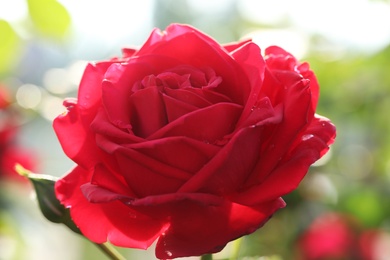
[342, 208]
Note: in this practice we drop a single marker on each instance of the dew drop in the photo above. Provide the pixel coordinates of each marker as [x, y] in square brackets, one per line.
[307, 137]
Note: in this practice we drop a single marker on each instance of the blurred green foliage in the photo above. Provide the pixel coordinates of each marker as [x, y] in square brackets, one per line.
[46, 18]
[8, 47]
[50, 17]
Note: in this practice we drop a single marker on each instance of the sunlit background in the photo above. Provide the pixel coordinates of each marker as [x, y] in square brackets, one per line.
[45, 44]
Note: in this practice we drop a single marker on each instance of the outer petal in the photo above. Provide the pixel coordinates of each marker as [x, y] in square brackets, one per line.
[200, 223]
[90, 90]
[230, 47]
[279, 59]
[287, 175]
[111, 221]
[72, 127]
[173, 31]
[198, 229]
[304, 69]
[76, 139]
[296, 116]
[128, 52]
[231, 166]
[102, 126]
[251, 61]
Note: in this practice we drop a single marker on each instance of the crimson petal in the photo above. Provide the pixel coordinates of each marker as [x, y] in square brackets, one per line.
[136, 230]
[180, 152]
[197, 229]
[211, 123]
[296, 114]
[314, 143]
[190, 46]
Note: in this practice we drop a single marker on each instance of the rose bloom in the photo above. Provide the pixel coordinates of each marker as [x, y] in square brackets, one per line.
[188, 141]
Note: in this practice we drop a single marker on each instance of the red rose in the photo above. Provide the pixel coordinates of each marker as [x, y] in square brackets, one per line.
[188, 141]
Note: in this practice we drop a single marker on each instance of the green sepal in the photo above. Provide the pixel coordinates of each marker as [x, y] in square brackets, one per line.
[49, 205]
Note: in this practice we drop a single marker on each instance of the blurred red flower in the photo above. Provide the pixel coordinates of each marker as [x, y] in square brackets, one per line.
[335, 236]
[11, 152]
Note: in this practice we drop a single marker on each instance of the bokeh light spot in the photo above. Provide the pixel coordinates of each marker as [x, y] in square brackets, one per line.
[28, 96]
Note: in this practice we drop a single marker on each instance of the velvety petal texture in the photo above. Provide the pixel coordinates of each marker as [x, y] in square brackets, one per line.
[188, 142]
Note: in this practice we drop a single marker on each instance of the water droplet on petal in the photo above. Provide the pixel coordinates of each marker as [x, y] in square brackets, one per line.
[307, 137]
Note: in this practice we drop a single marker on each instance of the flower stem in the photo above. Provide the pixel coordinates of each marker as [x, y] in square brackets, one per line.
[206, 257]
[110, 251]
[236, 248]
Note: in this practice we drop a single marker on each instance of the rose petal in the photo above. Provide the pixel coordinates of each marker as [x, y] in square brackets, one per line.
[197, 229]
[190, 46]
[135, 230]
[76, 139]
[289, 172]
[90, 93]
[175, 108]
[272, 88]
[279, 59]
[72, 127]
[158, 37]
[128, 52]
[304, 69]
[147, 176]
[297, 109]
[231, 166]
[234, 162]
[120, 79]
[210, 95]
[96, 194]
[211, 123]
[250, 59]
[111, 180]
[183, 153]
[106, 130]
[188, 96]
[147, 111]
[261, 113]
[230, 47]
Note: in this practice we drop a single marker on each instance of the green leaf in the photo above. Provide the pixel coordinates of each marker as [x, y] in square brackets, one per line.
[50, 17]
[49, 205]
[9, 46]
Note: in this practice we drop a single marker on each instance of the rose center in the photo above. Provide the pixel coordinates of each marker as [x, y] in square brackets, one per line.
[160, 99]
